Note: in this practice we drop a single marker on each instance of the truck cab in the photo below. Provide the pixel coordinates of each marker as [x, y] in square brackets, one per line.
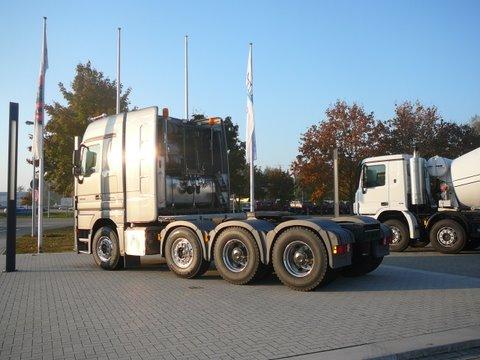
[422, 200]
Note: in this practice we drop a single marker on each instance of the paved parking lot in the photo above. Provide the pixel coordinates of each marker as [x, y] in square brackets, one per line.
[62, 306]
[467, 263]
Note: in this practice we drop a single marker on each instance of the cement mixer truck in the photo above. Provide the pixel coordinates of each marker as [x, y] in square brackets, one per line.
[423, 201]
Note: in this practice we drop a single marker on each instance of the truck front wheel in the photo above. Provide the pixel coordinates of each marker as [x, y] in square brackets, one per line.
[184, 255]
[400, 239]
[300, 259]
[448, 236]
[106, 251]
[237, 257]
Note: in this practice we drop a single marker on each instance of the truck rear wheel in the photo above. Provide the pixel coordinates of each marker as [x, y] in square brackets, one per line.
[448, 236]
[237, 257]
[106, 251]
[184, 255]
[400, 238]
[300, 259]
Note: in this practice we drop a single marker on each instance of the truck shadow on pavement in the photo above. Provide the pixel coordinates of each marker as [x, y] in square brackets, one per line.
[389, 278]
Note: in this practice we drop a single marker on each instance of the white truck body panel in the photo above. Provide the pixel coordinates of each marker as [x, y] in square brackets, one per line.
[140, 165]
[100, 190]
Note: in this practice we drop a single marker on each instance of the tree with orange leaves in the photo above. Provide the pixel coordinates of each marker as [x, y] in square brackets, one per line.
[355, 133]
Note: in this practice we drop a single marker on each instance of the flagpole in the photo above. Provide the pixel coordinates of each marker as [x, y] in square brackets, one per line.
[41, 170]
[186, 77]
[118, 72]
[251, 150]
[34, 207]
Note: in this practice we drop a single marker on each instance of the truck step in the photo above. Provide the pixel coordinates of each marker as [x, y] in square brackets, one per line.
[83, 246]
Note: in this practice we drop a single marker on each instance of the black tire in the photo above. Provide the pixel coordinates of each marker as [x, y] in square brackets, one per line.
[362, 267]
[106, 249]
[184, 253]
[401, 237]
[204, 268]
[448, 236]
[312, 269]
[236, 256]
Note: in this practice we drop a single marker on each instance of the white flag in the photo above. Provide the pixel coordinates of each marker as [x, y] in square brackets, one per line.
[251, 145]
[37, 147]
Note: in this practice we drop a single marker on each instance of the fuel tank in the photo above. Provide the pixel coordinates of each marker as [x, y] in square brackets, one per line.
[465, 172]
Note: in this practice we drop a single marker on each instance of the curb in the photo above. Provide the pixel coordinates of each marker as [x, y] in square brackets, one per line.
[405, 348]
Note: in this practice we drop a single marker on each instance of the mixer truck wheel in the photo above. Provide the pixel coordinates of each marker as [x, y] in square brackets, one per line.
[400, 238]
[237, 257]
[183, 252]
[448, 236]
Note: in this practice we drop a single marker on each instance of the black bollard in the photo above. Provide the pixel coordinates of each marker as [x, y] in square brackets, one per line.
[12, 188]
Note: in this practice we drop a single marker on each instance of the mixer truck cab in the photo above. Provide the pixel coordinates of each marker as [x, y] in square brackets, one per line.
[149, 184]
[422, 201]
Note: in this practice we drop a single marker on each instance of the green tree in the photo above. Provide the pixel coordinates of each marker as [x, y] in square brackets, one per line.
[454, 140]
[279, 184]
[91, 94]
[236, 158]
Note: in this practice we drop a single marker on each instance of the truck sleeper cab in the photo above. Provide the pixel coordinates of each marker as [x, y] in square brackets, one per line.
[147, 184]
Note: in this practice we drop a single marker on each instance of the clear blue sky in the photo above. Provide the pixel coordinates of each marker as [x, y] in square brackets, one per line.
[307, 54]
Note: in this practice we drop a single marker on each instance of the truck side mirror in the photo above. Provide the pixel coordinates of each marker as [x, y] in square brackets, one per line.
[77, 166]
[364, 179]
[76, 157]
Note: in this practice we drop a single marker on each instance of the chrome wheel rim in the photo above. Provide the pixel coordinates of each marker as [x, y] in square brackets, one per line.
[298, 259]
[447, 236]
[182, 253]
[235, 255]
[105, 248]
[396, 234]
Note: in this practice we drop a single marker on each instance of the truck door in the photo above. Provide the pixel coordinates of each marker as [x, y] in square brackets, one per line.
[88, 190]
[140, 165]
[372, 194]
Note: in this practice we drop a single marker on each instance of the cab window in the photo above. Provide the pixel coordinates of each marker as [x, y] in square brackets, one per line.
[373, 176]
[90, 160]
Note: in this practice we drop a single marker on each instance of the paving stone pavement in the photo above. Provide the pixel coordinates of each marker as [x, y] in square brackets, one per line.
[62, 306]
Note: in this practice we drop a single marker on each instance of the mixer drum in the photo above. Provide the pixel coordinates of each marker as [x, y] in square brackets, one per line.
[465, 172]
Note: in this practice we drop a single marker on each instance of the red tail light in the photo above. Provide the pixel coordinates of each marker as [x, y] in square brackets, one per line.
[341, 249]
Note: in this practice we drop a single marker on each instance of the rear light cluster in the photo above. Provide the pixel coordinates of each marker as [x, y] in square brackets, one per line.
[341, 249]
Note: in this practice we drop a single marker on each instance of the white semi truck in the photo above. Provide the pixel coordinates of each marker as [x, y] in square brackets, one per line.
[155, 185]
[436, 201]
